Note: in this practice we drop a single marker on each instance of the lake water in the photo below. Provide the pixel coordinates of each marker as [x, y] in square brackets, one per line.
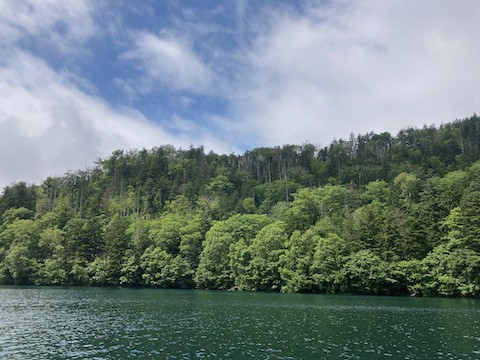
[96, 323]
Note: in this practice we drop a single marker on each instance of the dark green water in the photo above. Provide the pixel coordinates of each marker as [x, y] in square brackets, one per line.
[86, 323]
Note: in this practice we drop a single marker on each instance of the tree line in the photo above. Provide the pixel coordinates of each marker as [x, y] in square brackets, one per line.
[375, 214]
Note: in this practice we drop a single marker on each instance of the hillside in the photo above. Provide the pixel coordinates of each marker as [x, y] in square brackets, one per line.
[374, 214]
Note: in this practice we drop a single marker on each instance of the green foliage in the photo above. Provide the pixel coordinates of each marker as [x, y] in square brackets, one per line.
[154, 263]
[165, 232]
[370, 227]
[470, 216]
[364, 273]
[306, 209]
[84, 237]
[19, 195]
[264, 265]
[20, 264]
[160, 269]
[406, 187]
[55, 271]
[451, 271]
[13, 214]
[214, 270]
[22, 232]
[331, 254]
[374, 214]
[131, 270]
[377, 190]
[296, 261]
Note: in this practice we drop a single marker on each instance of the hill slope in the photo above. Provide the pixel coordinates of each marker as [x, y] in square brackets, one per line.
[375, 214]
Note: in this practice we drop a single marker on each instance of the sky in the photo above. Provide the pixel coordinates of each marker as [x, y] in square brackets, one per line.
[80, 79]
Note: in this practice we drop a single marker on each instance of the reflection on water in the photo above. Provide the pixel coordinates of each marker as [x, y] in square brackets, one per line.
[86, 323]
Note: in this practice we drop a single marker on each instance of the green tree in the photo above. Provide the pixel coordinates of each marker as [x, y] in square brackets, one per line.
[406, 187]
[160, 269]
[18, 195]
[131, 270]
[19, 250]
[116, 243]
[56, 266]
[470, 216]
[296, 262]
[306, 209]
[154, 263]
[331, 254]
[266, 250]
[370, 228]
[451, 271]
[377, 190]
[83, 238]
[21, 265]
[364, 273]
[11, 215]
[214, 270]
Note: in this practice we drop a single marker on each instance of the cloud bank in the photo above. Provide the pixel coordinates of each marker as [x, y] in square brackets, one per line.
[360, 66]
[79, 80]
[49, 125]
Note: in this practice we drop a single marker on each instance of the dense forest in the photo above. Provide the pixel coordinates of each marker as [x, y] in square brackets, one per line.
[374, 214]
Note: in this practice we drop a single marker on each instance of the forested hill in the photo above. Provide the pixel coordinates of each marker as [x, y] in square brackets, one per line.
[376, 214]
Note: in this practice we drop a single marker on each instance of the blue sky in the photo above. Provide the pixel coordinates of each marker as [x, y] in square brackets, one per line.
[79, 79]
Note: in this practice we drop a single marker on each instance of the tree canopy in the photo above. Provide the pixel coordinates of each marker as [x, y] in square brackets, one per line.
[374, 214]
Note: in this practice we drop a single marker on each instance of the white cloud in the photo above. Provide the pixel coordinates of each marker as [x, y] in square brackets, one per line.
[48, 125]
[359, 66]
[167, 61]
[57, 125]
[285, 76]
[53, 24]
[49, 120]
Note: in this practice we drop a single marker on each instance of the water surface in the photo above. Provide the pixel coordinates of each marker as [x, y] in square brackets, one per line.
[96, 323]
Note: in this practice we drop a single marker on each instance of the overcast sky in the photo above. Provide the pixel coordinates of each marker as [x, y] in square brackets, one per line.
[79, 79]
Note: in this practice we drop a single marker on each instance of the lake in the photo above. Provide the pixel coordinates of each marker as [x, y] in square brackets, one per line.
[110, 323]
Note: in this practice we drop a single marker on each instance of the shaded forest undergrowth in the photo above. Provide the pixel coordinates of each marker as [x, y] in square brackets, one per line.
[375, 214]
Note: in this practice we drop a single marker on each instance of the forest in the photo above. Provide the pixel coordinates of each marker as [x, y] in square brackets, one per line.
[374, 214]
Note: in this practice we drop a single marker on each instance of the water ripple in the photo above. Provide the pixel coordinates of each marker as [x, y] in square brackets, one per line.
[83, 323]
